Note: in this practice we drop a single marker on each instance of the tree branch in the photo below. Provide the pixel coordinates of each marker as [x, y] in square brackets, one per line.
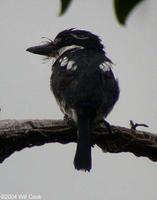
[15, 135]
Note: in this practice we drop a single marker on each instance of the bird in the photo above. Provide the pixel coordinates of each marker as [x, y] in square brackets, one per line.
[83, 85]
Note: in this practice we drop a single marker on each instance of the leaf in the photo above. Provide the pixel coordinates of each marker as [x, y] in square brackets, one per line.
[64, 6]
[123, 9]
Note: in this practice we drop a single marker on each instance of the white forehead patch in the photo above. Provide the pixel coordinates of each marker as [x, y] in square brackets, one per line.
[105, 66]
[63, 61]
[79, 36]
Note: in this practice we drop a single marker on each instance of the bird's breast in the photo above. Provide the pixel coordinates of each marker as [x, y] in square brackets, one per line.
[83, 81]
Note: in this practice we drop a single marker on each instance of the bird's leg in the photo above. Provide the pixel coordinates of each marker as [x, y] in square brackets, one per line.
[108, 126]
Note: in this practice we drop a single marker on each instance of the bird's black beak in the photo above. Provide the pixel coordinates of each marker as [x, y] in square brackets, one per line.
[47, 49]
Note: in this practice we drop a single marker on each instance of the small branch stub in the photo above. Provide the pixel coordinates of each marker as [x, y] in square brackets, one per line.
[135, 125]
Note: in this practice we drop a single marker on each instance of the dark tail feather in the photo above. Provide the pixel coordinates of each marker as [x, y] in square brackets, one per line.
[83, 160]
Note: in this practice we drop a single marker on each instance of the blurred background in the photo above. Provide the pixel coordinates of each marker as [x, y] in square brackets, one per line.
[25, 94]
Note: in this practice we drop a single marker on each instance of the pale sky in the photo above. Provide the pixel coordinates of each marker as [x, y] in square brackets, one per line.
[25, 94]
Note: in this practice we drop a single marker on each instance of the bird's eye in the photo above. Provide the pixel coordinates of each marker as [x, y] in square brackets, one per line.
[68, 38]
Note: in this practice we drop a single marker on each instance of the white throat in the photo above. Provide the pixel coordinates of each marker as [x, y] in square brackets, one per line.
[66, 48]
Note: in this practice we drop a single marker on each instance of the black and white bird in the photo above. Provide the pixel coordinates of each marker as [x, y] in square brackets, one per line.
[83, 84]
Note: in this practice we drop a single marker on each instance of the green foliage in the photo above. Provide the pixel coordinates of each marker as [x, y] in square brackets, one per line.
[64, 6]
[123, 9]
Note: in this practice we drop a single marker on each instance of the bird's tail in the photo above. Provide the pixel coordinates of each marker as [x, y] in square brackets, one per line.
[83, 160]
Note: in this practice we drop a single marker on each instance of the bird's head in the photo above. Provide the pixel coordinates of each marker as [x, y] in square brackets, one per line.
[68, 39]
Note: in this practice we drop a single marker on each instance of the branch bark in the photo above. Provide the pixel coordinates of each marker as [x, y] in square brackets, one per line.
[16, 135]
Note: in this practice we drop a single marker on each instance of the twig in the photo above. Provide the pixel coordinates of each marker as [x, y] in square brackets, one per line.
[135, 125]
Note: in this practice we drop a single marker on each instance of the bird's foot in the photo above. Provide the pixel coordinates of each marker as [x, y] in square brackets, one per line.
[104, 124]
[69, 121]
